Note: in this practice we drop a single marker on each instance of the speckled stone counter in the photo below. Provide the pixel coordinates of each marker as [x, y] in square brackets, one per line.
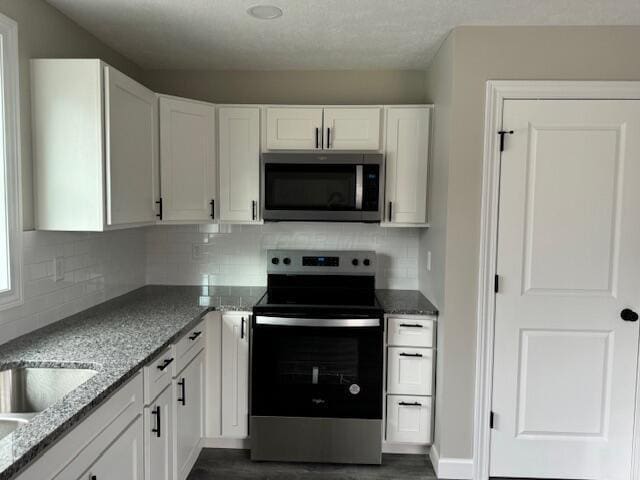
[116, 338]
[405, 302]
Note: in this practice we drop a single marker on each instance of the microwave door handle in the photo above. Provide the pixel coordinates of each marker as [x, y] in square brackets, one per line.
[359, 187]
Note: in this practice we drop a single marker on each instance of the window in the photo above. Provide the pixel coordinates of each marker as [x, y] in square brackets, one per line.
[10, 194]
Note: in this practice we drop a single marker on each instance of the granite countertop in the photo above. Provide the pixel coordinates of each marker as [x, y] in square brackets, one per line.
[117, 338]
[405, 302]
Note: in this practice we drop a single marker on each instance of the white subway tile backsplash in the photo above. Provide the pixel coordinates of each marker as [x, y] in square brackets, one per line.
[97, 267]
[183, 255]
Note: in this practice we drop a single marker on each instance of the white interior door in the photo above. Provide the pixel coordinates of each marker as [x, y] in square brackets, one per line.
[348, 128]
[239, 147]
[569, 262]
[187, 160]
[132, 152]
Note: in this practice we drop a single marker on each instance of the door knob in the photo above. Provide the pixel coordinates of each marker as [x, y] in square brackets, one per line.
[629, 315]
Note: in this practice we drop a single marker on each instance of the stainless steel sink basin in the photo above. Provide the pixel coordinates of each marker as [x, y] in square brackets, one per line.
[31, 390]
[9, 422]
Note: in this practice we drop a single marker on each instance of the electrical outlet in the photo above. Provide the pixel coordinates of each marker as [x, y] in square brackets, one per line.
[58, 268]
[429, 261]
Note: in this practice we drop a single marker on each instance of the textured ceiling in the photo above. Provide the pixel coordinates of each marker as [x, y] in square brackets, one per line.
[314, 34]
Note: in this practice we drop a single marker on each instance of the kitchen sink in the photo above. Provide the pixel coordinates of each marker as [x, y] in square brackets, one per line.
[27, 391]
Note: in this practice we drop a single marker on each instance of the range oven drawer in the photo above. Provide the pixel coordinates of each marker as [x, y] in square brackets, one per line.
[315, 367]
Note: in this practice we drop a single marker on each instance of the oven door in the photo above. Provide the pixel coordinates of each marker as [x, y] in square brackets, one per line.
[325, 367]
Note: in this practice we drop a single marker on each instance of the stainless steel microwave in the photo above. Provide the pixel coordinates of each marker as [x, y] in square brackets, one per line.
[322, 187]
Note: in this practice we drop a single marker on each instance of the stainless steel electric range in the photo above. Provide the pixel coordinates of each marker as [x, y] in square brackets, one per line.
[316, 360]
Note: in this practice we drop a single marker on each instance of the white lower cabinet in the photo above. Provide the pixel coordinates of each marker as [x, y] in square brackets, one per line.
[122, 459]
[107, 445]
[409, 419]
[410, 371]
[410, 361]
[158, 437]
[235, 374]
[188, 400]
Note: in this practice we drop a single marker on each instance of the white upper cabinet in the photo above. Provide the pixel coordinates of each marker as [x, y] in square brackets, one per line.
[95, 147]
[348, 128]
[187, 160]
[239, 156]
[294, 128]
[322, 128]
[407, 161]
[132, 150]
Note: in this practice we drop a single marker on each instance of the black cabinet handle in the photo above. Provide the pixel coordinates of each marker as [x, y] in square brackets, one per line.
[328, 137]
[93, 477]
[253, 210]
[242, 328]
[410, 404]
[629, 315]
[195, 335]
[159, 203]
[412, 325]
[390, 211]
[411, 354]
[183, 398]
[167, 362]
[317, 137]
[156, 412]
[213, 209]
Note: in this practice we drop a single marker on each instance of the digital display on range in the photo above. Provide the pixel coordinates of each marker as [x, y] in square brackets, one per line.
[321, 261]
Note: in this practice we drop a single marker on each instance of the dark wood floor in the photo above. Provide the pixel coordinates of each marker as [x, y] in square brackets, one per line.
[216, 463]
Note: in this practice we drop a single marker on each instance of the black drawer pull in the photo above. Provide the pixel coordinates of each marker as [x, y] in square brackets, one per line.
[411, 354]
[410, 404]
[242, 328]
[195, 335]
[412, 325]
[167, 362]
[156, 412]
[183, 398]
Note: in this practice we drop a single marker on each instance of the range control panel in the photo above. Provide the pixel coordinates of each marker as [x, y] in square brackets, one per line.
[300, 262]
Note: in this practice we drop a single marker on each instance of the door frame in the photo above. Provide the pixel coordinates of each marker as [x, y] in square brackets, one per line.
[497, 92]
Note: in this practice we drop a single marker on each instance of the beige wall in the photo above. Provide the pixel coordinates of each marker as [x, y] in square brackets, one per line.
[45, 32]
[481, 54]
[297, 87]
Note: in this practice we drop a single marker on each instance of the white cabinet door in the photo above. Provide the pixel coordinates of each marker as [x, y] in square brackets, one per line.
[158, 437]
[239, 153]
[189, 416]
[294, 128]
[123, 459]
[409, 419]
[131, 134]
[235, 374]
[410, 371]
[407, 159]
[187, 160]
[352, 128]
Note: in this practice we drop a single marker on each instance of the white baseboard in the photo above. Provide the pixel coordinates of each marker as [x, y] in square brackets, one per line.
[405, 448]
[220, 442]
[451, 468]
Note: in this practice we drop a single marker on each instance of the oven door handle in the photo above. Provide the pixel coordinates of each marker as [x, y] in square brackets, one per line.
[318, 322]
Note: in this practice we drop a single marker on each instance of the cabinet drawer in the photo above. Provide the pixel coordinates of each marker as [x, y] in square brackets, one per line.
[157, 375]
[189, 346]
[410, 332]
[410, 371]
[409, 419]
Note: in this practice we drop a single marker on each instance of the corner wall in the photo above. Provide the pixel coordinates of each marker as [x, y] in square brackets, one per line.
[481, 54]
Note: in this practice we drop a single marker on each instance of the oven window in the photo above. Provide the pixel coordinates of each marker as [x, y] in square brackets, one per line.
[310, 187]
[317, 372]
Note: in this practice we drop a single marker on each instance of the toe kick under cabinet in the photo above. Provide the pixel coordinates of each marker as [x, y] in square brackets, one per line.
[410, 361]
